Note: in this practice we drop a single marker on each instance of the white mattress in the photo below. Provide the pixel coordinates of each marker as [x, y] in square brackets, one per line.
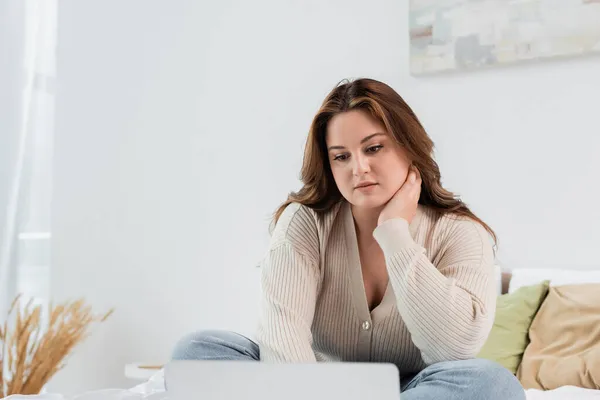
[154, 389]
[564, 393]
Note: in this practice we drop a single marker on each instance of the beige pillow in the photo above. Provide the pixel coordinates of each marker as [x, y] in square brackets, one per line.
[564, 346]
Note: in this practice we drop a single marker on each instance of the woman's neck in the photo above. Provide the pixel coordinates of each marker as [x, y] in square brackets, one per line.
[365, 220]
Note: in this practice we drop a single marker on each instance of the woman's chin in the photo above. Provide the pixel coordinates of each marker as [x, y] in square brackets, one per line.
[367, 202]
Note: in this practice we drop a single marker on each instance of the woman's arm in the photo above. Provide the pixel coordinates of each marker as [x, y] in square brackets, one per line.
[290, 279]
[448, 307]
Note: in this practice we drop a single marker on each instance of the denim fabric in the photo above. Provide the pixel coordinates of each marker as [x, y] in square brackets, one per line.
[475, 379]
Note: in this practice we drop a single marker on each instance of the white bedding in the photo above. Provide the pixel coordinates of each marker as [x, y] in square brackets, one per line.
[154, 389]
[564, 393]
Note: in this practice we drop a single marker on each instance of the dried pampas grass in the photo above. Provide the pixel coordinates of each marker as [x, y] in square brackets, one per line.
[31, 352]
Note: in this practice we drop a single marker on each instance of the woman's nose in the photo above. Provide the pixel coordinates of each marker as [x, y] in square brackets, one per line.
[361, 166]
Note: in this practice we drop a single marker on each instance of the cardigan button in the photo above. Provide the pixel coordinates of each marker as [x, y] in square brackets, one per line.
[366, 325]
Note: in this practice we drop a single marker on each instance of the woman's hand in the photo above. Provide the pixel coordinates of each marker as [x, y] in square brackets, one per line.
[403, 203]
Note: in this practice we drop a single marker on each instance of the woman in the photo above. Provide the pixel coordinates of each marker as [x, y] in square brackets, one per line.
[373, 260]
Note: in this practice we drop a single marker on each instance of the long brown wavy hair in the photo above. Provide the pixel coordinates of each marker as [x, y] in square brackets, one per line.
[319, 190]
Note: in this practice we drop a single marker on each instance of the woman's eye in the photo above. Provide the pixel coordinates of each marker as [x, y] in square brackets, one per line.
[374, 149]
[340, 157]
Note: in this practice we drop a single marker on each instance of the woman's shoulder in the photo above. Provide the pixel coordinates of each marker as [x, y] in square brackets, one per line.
[302, 226]
[453, 232]
[452, 223]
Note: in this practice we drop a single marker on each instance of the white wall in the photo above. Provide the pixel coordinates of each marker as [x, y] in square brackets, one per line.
[521, 145]
[180, 128]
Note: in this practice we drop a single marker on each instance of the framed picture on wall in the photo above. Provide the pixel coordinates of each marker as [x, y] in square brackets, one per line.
[450, 35]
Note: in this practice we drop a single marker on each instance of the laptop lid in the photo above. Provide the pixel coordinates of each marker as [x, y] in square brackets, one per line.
[249, 380]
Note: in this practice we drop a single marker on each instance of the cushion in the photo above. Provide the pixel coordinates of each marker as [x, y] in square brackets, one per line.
[509, 335]
[565, 340]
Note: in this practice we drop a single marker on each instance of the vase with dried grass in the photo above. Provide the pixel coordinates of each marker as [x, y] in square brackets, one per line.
[35, 341]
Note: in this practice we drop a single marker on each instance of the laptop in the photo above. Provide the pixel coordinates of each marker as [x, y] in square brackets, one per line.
[249, 380]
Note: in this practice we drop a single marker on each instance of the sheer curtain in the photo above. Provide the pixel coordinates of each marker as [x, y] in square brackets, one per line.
[27, 90]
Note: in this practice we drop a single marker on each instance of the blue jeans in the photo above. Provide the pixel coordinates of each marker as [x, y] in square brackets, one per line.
[475, 379]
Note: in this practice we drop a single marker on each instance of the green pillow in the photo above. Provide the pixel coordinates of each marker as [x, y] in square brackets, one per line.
[510, 334]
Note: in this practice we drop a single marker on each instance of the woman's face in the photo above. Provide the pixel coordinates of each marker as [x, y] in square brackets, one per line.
[367, 164]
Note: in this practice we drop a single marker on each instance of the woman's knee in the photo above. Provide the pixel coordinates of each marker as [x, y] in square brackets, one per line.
[467, 379]
[190, 345]
[214, 345]
[497, 381]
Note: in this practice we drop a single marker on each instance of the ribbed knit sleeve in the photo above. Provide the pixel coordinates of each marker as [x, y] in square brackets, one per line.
[290, 283]
[448, 307]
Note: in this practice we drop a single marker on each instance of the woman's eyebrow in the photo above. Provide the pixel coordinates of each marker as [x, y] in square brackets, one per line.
[365, 139]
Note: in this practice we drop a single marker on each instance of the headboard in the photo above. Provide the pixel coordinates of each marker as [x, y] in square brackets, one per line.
[506, 277]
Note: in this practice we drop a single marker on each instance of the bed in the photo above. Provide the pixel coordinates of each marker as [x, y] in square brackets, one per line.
[509, 282]
[153, 389]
